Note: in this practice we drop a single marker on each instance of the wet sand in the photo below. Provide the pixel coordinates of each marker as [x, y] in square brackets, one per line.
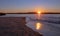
[15, 26]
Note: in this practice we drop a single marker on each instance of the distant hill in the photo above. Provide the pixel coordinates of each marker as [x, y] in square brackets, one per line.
[1, 14]
[29, 13]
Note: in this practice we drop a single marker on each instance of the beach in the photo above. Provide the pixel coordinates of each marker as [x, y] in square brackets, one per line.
[15, 26]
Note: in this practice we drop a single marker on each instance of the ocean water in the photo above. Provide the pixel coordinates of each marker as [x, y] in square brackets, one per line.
[50, 23]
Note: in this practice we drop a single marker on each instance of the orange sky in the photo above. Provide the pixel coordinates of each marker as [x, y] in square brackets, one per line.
[15, 6]
[29, 10]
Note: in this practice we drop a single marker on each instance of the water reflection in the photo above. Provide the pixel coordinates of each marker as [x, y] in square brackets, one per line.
[38, 26]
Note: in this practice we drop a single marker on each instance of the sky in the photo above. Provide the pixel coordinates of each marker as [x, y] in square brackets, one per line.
[14, 6]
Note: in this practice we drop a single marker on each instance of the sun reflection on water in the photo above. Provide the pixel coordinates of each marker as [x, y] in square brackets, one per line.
[38, 26]
[38, 15]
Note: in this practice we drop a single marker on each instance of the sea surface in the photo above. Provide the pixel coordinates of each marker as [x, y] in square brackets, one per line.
[50, 23]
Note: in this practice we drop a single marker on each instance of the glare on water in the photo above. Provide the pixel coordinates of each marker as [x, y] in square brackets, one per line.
[38, 14]
[38, 26]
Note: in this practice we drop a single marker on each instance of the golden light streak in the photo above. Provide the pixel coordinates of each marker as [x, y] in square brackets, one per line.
[38, 26]
[38, 14]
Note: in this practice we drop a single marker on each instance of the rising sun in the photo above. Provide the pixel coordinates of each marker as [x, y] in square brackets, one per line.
[39, 12]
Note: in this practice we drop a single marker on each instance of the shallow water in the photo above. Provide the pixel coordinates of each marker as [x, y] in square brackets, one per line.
[50, 23]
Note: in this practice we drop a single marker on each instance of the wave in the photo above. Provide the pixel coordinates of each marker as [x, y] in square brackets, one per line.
[45, 19]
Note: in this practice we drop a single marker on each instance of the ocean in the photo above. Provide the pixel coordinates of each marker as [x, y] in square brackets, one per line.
[50, 23]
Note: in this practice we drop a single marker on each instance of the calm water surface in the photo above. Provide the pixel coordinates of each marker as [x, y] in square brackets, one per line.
[49, 23]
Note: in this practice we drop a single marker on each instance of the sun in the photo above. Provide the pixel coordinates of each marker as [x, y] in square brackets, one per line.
[39, 12]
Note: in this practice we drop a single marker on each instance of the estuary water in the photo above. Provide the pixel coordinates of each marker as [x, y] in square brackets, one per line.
[50, 23]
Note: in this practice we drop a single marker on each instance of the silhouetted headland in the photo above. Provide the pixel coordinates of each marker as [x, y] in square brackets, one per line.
[1, 14]
[33, 13]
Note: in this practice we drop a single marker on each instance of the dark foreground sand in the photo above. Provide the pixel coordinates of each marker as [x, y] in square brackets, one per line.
[15, 26]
